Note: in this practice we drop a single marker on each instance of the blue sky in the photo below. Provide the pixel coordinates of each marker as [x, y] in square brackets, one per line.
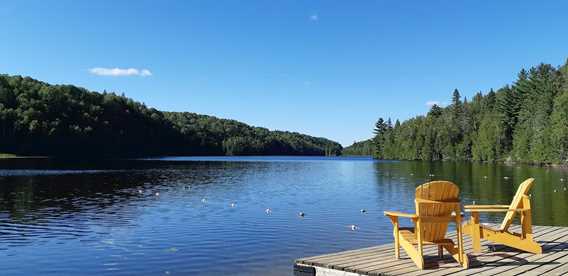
[325, 68]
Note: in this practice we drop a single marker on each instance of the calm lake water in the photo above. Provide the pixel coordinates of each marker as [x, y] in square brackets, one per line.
[207, 216]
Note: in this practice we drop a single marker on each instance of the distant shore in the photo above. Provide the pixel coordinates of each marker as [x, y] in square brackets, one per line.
[14, 156]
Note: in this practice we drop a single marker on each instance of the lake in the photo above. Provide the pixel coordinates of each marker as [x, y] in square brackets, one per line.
[226, 215]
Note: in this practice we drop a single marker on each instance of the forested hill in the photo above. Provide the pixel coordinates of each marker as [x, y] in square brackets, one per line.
[364, 148]
[526, 121]
[37, 118]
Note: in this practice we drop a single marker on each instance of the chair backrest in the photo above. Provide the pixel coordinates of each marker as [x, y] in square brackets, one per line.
[445, 200]
[516, 203]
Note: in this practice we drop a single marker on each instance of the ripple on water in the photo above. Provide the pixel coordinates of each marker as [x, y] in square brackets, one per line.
[111, 222]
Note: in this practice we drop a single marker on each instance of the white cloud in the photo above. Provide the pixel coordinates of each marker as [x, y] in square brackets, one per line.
[145, 73]
[314, 17]
[120, 72]
[432, 103]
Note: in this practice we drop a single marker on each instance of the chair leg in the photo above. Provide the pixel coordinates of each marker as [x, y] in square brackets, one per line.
[457, 254]
[396, 240]
[396, 247]
[413, 253]
[463, 258]
[475, 232]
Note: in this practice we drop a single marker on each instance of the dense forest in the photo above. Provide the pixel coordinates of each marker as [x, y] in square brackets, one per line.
[37, 118]
[366, 148]
[526, 121]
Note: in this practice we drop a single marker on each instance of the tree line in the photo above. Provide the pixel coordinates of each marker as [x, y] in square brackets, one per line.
[366, 148]
[526, 121]
[37, 118]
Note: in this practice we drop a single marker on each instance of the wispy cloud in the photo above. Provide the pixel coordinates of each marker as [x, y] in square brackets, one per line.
[432, 103]
[314, 17]
[120, 72]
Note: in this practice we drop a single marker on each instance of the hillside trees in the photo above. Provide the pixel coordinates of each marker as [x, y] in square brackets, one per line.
[37, 118]
[526, 122]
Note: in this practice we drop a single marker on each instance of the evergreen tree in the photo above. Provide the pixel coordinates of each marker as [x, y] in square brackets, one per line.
[380, 130]
[524, 122]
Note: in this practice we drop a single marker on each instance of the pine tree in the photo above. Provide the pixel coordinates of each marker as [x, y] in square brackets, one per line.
[379, 139]
[435, 111]
[527, 121]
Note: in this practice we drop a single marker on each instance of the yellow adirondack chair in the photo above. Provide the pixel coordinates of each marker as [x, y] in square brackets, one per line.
[437, 204]
[521, 204]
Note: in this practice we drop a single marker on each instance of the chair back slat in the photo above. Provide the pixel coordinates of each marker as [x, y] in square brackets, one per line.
[446, 195]
[516, 203]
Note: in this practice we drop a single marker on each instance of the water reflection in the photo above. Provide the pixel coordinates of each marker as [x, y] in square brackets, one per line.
[488, 184]
[149, 216]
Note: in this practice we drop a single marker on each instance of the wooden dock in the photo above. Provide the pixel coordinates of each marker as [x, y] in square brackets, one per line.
[493, 260]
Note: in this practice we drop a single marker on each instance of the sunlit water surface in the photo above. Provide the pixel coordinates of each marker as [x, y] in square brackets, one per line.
[208, 215]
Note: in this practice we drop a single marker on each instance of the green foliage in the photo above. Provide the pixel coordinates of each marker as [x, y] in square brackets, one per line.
[363, 148]
[559, 129]
[63, 120]
[525, 122]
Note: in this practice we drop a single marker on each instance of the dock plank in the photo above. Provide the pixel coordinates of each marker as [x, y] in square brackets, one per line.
[493, 260]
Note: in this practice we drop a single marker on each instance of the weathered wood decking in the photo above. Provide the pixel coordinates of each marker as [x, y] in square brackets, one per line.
[494, 259]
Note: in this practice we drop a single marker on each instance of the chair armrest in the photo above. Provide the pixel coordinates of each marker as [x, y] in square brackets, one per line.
[486, 206]
[453, 201]
[400, 214]
[493, 210]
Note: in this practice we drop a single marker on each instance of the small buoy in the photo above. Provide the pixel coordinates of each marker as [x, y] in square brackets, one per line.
[301, 214]
[485, 176]
[140, 191]
[204, 200]
[268, 211]
[353, 227]
[561, 179]
[157, 194]
[555, 190]
[363, 211]
[233, 204]
[505, 177]
[411, 174]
